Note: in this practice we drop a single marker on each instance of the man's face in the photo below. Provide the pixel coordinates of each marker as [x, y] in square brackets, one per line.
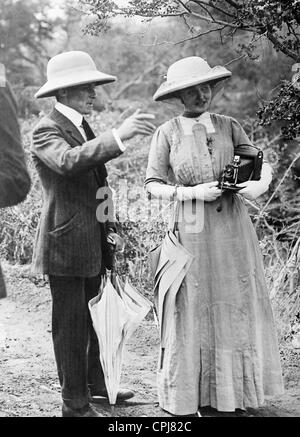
[197, 98]
[81, 98]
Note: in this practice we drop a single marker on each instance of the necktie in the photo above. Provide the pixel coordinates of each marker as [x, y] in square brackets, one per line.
[87, 129]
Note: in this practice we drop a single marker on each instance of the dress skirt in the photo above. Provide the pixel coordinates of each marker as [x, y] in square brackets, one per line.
[223, 351]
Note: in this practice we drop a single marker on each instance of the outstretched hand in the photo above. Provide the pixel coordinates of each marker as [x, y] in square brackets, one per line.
[136, 124]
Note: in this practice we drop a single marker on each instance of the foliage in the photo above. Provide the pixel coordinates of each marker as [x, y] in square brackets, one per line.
[277, 20]
[284, 107]
[247, 21]
[24, 27]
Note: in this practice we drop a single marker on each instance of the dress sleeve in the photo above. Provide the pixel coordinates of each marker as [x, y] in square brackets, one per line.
[159, 158]
[239, 136]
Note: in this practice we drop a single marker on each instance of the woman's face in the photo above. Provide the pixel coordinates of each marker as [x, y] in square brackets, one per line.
[196, 98]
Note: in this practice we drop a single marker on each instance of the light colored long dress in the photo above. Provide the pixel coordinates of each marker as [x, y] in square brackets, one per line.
[223, 350]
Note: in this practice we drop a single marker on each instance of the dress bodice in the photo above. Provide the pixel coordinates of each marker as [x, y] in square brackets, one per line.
[193, 155]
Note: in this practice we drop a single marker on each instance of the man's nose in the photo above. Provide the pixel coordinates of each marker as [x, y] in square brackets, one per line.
[92, 92]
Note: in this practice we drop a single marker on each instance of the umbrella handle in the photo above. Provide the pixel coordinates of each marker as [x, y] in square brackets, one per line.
[176, 215]
[112, 410]
[112, 274]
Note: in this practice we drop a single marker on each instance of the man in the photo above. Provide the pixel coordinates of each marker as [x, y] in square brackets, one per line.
[70, 242]
[14, 177]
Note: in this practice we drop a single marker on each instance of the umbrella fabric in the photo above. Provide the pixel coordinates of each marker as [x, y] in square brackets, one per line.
[109, 317]
[116, 312]
[172, 262]
[135, 303]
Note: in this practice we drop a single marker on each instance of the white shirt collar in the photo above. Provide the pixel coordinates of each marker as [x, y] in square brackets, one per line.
[204, 119]
[74, 116]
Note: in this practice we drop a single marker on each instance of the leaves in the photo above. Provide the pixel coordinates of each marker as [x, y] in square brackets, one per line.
[276, 21]
[284, 107]
[24, 26]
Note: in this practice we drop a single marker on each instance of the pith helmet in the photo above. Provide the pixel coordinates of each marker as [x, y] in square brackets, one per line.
[69, 69]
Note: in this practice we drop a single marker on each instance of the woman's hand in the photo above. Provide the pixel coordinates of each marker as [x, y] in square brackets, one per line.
[253, 189]
[207, 192]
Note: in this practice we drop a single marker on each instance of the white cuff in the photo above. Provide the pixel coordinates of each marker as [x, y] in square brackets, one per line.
[185, 193]
[162, 191]
[118, 140]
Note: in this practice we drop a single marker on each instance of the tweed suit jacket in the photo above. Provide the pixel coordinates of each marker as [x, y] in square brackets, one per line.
[69, 238]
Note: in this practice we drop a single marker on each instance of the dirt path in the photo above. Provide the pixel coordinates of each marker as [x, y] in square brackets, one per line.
[28, 381]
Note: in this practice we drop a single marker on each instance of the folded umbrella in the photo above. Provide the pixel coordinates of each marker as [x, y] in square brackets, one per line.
[170, 262]
[136, 304]
[115, 312]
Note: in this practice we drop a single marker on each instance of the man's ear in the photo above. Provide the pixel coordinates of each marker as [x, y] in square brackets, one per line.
[61, 94]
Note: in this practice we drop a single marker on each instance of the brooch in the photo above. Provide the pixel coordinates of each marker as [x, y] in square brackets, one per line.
[209, 143]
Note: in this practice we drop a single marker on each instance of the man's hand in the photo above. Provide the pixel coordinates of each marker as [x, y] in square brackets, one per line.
[136, 124]
[116, 242]
[252, 189]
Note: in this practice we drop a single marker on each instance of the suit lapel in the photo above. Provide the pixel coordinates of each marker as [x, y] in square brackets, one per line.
[67, 126]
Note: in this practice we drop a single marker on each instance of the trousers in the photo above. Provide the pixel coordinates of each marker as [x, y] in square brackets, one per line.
[75, 342]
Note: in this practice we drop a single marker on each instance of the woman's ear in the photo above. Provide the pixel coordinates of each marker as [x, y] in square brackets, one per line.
[217, 89]
[175, 103]
[177, 95]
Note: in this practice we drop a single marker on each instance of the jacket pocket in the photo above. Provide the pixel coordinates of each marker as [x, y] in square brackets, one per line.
[65, 227]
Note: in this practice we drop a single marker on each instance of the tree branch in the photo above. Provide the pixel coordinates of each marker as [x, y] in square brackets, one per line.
[282, 48]
[233, 4]
[24, 57]
[235, 59]
[224, 23]
[214, 7]
[203, 6]
[292, 30]
[184, 6]
[199, 35]
[135, 81]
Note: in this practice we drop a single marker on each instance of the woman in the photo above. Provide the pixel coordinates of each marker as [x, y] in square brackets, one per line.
[222, 351]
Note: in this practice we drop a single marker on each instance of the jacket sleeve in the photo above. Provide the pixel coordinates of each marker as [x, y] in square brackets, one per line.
[50, 146]
[14, 177]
